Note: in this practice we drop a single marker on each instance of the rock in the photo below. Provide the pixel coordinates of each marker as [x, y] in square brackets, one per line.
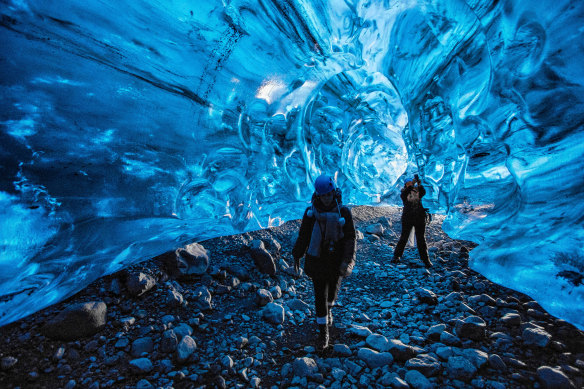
[202, 298]
[276, 292]
[262, 258]
[192, 260]
[473, 327]
[182, 330]
[144, 384]
[417, 380]
[342, 349]
[169, 342]
[239, 272]
[139, 283]
[483, 298]
[460, 368]
[551, 378]
[227, 362]
[511, 319]
[174, 298]
[497, 363]
[305, 367]
[122, 343]
[142, 345]
[536, 336]
[77, 321]
[141, 366]
[373, 358]
[375, 229]
[274, 313]
[185, 348]
[425, 364]
[426, 296]
[394, 381]
[360, 331]
[449, 339]
[444, 352]
[477, 357]
[378, 342]
[8, 363]
[434, 332]
[263, 297]
[297, 305]
[401, 352]
[255, 382]
[338, 374]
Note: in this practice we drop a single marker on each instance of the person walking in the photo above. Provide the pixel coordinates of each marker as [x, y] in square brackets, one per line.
[413, 216]
[327, 240]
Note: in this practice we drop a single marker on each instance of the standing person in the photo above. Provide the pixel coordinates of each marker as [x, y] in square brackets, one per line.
[327, 237]
[414, 215]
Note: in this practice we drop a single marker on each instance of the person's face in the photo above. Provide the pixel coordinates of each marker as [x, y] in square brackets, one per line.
[409, 183]
[326, 199]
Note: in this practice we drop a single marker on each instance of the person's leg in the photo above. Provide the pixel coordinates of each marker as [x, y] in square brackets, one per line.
[320, 299]
[333, 290]
[320, 305]
[403, 239]
[421, 241]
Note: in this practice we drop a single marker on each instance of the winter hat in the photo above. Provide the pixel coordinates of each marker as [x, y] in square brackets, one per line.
[324, 184]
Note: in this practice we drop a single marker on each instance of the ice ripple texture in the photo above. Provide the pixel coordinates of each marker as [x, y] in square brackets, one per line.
[130, 128]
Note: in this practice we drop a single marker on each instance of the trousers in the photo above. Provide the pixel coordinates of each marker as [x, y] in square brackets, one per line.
[407, 225]
[325, 293]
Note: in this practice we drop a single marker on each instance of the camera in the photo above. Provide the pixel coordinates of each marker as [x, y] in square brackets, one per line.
[416, 178]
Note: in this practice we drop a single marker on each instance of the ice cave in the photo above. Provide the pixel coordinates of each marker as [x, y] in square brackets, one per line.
[130, 128]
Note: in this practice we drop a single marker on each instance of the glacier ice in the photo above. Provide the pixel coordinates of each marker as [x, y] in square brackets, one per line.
[128, 129]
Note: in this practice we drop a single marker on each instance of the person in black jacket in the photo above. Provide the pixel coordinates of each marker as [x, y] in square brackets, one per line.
[414, 215]
[327, 237]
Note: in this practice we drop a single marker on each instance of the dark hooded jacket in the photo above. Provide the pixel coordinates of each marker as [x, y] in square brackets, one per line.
[329, 262]
[412, 200]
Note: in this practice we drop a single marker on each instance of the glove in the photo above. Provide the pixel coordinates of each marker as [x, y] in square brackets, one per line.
[297, 265]
[346, 268]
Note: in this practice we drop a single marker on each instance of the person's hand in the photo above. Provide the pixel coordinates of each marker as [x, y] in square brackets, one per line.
[297, 265]
[346, 268]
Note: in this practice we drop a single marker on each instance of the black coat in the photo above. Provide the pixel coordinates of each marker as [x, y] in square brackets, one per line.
[414, 212]
[329, 263]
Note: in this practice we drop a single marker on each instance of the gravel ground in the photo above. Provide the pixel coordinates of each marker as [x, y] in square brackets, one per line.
[396, 325]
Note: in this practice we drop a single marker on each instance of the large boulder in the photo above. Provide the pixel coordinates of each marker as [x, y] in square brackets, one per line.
[77, 321]
[274, 313]
[262, 258]
[373, 358]
[305, 367]
[400, 351]
[192, 260]
[139, 283]
[553, 378]
[473, 327]
[185, 349]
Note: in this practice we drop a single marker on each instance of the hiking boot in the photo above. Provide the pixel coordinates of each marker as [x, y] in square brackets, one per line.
[395, 259]
[323, 337]
[427, 263]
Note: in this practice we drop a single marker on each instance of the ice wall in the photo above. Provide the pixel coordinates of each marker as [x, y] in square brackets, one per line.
[130, 128]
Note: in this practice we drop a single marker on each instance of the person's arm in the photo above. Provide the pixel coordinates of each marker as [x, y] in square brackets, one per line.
[404, 194]
[349, 243]
[304, 235]
[421, 190]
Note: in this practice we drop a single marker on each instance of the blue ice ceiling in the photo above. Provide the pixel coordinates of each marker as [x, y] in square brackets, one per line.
[130, 128]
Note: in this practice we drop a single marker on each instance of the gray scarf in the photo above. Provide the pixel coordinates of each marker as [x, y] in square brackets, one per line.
[327, 230]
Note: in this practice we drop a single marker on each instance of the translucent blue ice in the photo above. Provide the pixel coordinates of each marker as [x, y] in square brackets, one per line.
[130, 128]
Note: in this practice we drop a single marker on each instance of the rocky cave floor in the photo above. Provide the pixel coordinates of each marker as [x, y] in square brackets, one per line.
[395, 325]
